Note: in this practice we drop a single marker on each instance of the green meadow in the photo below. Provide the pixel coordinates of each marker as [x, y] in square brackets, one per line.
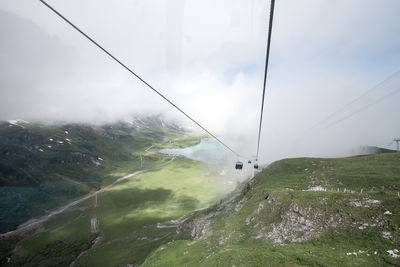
[44, 167]
[134, 218]
[319, 212]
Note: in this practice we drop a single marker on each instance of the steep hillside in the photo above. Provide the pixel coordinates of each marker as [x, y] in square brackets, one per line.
[119, 225]
[45, 166]
[305, 211]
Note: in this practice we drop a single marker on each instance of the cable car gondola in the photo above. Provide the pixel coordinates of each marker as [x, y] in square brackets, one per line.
[255, 165]
[249, 162]
[239, 165]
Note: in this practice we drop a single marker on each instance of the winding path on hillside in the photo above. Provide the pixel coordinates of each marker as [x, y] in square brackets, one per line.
[35, 222]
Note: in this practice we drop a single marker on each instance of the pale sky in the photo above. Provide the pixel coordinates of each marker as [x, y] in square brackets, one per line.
[208, 57]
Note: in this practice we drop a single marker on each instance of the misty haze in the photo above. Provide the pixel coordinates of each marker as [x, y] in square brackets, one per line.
[199, 133]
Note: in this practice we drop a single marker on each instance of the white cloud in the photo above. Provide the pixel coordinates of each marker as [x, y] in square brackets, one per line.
[208, 57]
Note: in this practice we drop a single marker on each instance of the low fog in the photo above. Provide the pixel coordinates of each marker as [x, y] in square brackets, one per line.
[333, 82]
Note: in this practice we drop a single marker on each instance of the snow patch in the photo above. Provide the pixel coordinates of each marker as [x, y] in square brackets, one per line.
[15, 122]
[393, 253]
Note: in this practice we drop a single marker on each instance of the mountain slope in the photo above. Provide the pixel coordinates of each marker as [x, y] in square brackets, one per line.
[121, 224]
[327, 212]
[43, 167]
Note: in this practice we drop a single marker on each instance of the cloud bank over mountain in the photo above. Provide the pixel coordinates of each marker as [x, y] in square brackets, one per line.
[208, 57]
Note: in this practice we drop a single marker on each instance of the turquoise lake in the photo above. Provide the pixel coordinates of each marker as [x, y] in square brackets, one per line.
[209, 151]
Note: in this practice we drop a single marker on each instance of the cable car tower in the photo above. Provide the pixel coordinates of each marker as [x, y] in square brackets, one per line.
[397, 140]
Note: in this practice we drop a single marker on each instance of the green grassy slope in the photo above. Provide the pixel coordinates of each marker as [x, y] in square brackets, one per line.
[353, 223]
[134, 218]
[43, 167]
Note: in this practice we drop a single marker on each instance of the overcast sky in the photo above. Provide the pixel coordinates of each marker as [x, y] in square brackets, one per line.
[208, 57]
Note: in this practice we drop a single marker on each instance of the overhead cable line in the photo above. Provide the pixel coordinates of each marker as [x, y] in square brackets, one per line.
[137, 76]
[378, 85]
[365, 107]
[340, 110]
[271, 17]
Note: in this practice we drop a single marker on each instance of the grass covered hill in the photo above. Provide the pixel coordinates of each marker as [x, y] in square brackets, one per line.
[121, 224]
[304, 211]
[43, 167]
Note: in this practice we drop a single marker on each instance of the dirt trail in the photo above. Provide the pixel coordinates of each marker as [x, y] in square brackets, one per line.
[94, 243]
